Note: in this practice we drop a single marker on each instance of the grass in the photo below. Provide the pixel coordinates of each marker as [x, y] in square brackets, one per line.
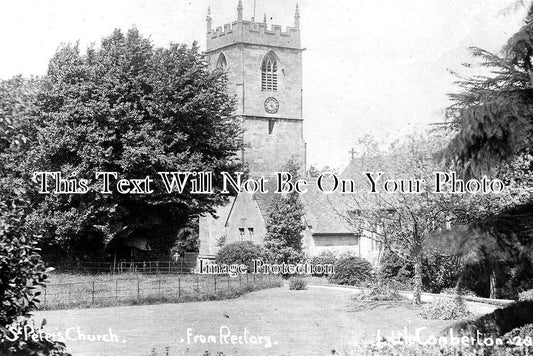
[83, 291]
[307, 322]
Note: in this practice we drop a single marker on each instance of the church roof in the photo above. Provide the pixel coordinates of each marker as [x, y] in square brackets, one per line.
[324, 213]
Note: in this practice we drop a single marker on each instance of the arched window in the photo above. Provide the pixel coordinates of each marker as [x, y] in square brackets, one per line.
[222, 63]
[269, 72]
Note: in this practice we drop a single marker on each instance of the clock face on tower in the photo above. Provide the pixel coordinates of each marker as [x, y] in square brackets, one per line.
[271, 105]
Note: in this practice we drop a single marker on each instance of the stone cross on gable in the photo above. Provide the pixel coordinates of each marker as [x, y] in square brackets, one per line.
[352, 152]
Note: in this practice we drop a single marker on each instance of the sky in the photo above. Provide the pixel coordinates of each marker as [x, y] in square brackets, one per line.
[377, 67]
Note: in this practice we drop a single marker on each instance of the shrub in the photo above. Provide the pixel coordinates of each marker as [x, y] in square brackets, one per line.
[525, 295]
[379, 291]
[325, 258]
[351, 271]
[297, 283]
[499, 321]
[439, 272]
[522, 332]
[453, 291]
[243, 252]
[445, 309]
[21, 273]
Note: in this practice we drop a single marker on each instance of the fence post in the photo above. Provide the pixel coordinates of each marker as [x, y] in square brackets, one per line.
[197, 287]
[215, 279]
[159, 287]
[228, 282]
[169, 267]
[116, 289]
[92, 297]
[138, 288]
[179, 287]
[45, 295]
[240, 282]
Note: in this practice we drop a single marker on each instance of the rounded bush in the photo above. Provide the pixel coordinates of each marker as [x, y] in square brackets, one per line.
[243, 252]
[297, 283]
[325, 258]
[351, 271]
[525, 295]
[522, 332]
[445, 309]
[453, 291]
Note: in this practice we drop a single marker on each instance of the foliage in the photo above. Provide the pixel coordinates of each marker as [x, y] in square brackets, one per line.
[403, 222]
[499, 322]
[21, 268]
[521, 339]
[453, 291]
[285, 223]
[440, 272]
[492, 115]
[187, 240]
[22, 273]
[26, 347]
[522, 332]
[400, 348]
[242, 252]
[351, 271]
[395, 269]
[324, 258]
[221, 241]
[126, 107]
[297, 283]
[526, 295]
[379, 290]
[445, 309]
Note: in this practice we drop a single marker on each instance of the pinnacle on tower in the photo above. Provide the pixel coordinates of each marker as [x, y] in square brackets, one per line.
[208, 19]
[297, 17]
[239, 11]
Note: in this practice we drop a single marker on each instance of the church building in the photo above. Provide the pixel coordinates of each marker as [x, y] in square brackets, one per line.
[264, 71]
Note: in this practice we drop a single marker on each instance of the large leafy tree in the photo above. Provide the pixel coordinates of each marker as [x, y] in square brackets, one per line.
[134, 109]
[493, 114]
[492, 122]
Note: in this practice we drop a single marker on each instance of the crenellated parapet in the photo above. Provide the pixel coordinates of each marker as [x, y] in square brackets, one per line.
[251, 32]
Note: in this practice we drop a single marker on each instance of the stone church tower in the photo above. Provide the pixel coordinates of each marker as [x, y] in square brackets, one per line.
[264, 72]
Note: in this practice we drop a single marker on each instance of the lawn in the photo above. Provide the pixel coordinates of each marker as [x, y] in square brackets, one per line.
[65, 290]
[309, 322]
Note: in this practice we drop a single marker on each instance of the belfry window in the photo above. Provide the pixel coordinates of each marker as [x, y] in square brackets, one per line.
[269, 72]
[222, 63]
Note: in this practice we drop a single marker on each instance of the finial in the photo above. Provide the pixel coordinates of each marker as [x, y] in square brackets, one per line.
[239, 11]
[265, 19]
[208, 19]
[352, 153]
[297, 17]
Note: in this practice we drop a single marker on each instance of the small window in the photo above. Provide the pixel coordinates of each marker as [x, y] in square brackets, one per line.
[241, 234]
[251, 233]
[269, 72]
[222, 63]
[271, 123]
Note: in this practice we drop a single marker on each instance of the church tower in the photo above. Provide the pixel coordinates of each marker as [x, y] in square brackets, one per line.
[264, 72]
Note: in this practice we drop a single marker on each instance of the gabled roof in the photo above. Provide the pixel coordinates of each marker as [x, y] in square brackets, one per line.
[324, 213]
